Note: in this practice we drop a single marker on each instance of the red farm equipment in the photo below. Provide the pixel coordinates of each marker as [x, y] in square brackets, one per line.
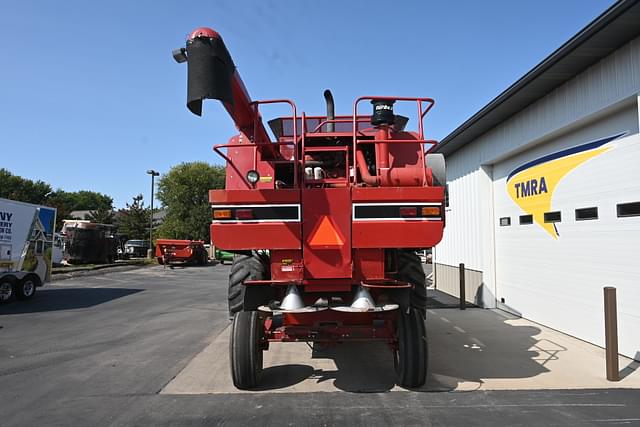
[170, 251]
[324, 220]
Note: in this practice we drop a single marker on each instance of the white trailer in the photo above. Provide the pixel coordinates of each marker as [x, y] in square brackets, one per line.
[26, 245]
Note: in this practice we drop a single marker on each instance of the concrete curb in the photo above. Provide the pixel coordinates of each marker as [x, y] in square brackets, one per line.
[97, 271]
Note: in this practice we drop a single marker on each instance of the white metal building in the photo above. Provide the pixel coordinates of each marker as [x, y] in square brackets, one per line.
[544, 188]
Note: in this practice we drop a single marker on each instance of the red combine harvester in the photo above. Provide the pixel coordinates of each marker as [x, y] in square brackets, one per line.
[169, 251]
[324, 220]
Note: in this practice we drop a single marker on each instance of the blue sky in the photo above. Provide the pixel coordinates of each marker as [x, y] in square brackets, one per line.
[90, 97]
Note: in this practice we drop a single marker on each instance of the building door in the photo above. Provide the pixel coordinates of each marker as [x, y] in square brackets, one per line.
[566, 226]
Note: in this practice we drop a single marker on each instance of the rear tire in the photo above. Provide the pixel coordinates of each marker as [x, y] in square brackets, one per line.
[245, 350]
[410, 270]
[244, 267]
[436, 162]
[412, 355]
[7, 286]
[26, 288]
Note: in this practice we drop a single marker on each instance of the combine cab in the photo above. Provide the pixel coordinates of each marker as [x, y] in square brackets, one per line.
[324, 219]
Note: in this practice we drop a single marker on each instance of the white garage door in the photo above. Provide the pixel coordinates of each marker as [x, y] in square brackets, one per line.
[567, 223]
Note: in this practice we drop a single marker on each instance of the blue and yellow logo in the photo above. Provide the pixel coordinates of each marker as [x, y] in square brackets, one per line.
[531, 185]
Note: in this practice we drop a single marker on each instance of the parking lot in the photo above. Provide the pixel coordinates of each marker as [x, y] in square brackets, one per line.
[149, 346]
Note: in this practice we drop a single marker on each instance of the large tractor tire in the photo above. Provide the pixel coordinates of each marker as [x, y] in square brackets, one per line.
[411, 358]
[410, 270]
[245, 350]
[244, 267]
[436, 162]
[26, 288]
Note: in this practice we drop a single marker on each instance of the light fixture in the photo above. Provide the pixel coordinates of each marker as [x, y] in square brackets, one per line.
[180, 55]
[253, 176]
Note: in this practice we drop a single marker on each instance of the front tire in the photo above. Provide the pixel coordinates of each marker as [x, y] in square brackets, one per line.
[245, 350]
[412, 354]
[244, 267]
[26, 288]
[410, 270]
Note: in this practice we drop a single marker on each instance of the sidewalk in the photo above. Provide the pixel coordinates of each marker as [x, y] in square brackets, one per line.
[474, 349]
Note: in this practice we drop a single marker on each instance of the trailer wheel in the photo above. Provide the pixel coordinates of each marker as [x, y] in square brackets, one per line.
[6, 288]
[244, 267]
[26, 288]
[245, 350]
[410, 270]
[411, 357]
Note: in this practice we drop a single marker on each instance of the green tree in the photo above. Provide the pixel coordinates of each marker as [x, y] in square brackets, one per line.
[134, 219]
[67, 201]
[101, 216]
[184, 193]
[21, 189]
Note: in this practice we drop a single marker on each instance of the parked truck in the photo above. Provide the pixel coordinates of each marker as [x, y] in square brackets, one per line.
[86, 242]
[324, 219]
[26, 244]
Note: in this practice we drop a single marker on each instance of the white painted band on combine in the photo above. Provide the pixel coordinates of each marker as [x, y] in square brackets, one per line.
[230, 220]
[395, 218]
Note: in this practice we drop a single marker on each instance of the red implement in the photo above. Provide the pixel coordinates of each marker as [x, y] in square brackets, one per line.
[324, 219]
[181, 251]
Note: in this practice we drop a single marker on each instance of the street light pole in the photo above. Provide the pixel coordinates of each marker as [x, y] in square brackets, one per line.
[150, 251]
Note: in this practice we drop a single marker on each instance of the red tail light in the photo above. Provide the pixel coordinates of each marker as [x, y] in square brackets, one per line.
[408, 211]
[244, 214]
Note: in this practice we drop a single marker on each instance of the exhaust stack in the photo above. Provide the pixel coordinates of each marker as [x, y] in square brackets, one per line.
[331, 113]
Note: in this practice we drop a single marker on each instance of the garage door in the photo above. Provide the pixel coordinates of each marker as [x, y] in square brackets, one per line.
[567, 223]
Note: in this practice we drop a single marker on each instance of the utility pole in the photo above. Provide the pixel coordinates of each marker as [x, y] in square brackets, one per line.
[150, 251]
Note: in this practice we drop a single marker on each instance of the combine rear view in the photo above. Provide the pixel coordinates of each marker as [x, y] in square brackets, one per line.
[324, 219]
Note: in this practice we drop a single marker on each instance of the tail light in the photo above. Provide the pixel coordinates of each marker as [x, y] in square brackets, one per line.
[222, 214]
[431, 211]
[408, 211]
[244, 214]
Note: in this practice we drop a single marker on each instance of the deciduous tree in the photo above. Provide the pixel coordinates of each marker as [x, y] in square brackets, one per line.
[21, 189]
[184, 193]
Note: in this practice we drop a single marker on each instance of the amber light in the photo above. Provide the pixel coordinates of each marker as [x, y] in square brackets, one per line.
[430, 211]
[222, 214]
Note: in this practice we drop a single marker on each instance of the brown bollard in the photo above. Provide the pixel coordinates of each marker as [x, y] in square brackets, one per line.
[463, 297]
[611, 333]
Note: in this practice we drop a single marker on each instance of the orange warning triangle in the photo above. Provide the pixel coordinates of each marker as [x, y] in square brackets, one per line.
[326, 234]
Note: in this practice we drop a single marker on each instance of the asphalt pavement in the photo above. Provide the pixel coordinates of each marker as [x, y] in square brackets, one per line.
[99, 350]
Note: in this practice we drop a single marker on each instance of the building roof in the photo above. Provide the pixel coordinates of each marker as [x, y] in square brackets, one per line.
[82, 214]
[613, 28]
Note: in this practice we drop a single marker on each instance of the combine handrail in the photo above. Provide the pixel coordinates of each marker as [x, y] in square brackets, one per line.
[362, 119]
[421, 140]
[254, 145]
